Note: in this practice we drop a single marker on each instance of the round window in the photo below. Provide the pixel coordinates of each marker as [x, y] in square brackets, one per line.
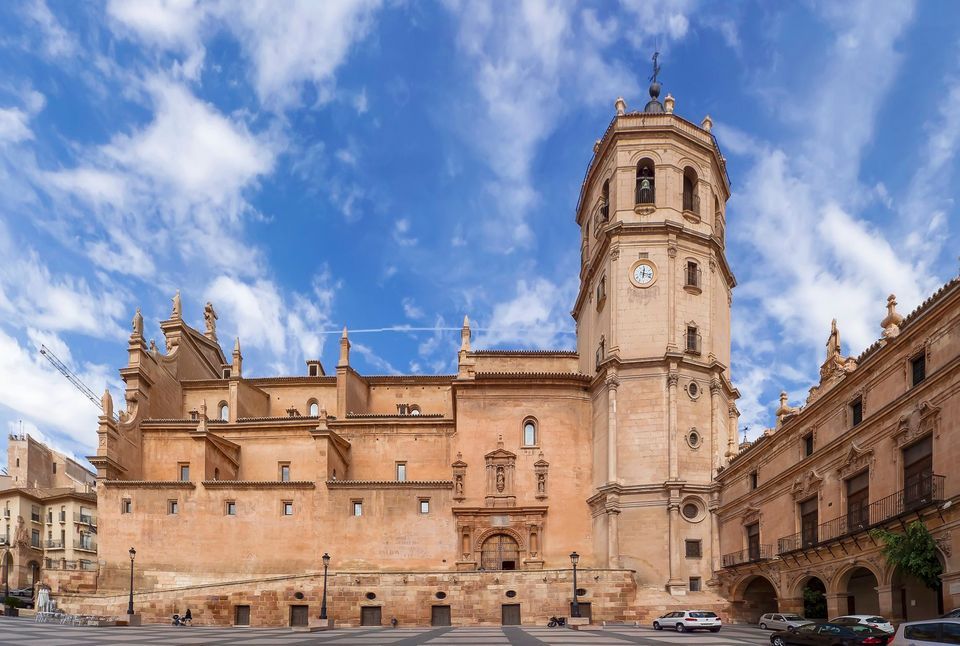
[371, 596]
[691, 511]
[441, 595]
[298, 595]
[693, 390]
[511, 593]
[581, 592]
[694, 439]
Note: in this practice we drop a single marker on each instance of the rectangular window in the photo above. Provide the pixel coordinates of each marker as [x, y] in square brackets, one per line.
[358, 508]
[693, 274]
[35, 513]
[173, 507]
[693, 340]
[35, 538]
[918, 472]
[858, 502]
[126, 506]
[314, 372]
[753, 541]
[50, 515]
[231, 508]
[918, 369]
[694, 550]
[694, 584]
[226, 373]
[754, 478]
[401, 471]
[54, 467]
[856, 411]
[808, 522]
[284, 472]
[808, 445]
[288, 508]
[424, 506]
[184, 469]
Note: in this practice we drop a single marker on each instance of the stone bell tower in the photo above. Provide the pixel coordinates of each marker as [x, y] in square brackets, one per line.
[653, 328]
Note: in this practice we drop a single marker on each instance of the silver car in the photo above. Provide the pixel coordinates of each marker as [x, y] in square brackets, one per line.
[782, 621]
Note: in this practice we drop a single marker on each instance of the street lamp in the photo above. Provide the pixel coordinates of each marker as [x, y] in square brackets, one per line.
[133, 554]
[6, 578]
[575, 558]
[323, 606]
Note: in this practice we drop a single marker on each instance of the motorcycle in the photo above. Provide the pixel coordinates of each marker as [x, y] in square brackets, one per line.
[557, 621]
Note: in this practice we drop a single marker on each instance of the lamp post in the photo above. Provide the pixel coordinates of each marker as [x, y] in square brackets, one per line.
[133, 554]
[323, 605]
[6, 578]
[575, 558]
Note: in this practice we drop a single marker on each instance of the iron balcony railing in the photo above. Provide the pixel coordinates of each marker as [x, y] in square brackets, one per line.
[749, 555]
[86, 519]
[53, 544]
[691, 276]
[645, 192]
[691, 202]
[85, 544]
[916, 495]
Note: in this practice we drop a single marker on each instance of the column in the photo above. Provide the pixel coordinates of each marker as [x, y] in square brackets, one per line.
[675, 585]
[612, 383]
[715, 535]
[672, 292]
[716, 424]
[889, 608]
[613, 538]
[837, 604]
[732, 416]
[672, 379]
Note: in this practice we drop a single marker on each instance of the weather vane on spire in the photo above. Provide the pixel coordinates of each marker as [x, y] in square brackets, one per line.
[656, 67]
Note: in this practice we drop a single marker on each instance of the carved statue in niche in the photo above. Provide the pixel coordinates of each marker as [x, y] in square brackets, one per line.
[541, 483]
[459, 472]
[501, 480]
[540, 469]
[458, 484]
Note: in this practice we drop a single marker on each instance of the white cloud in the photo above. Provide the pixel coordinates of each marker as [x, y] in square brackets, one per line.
[401, 229]
[13, 126]
[57, 42]
[410, 309]
[537, 316]
[288, 44]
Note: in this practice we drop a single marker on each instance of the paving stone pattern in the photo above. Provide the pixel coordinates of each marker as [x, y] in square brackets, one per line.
[23, 631]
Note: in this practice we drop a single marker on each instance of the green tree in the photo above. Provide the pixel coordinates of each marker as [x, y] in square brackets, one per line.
[914, 552]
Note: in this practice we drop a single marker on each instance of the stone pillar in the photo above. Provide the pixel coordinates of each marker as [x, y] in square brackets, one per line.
[613, 538]
[612, 383]
[889, 608]
[837, 604]
[672, 379]
[716, 425]
[791, 604]
[671, 289]
[732, 416]
[675, 585]
[714, 535]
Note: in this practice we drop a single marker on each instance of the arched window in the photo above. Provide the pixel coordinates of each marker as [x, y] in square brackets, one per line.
[646, 182]
[529, 432]
[500, 552]
[314, 409]
[691, 201]
[605, 201]
[224, 411]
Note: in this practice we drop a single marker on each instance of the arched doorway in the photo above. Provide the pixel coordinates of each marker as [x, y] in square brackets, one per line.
[8, 574]
[814, 595]
[860, 587]
[500, 552]
[759, 596]
[913, 600]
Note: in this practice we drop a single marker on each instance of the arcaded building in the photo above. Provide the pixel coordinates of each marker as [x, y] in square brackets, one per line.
[460, 498]
[873, 447]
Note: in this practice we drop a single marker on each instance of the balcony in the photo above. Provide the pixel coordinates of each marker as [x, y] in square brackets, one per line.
[85, 519]
[693, 343]
[923, 493]
[53, 544]
[87, 545]
[750, 555]
[691, 204]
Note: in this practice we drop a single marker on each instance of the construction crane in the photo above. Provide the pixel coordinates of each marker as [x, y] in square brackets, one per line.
[74, 379]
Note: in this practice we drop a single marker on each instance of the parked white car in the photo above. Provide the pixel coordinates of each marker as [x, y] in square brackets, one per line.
[931, 631]
[689, 620]
[874, 621]
[782, 621]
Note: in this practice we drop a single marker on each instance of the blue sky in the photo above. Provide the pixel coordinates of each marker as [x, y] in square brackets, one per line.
[310, 165]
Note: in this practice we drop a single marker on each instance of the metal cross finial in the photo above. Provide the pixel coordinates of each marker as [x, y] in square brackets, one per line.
[656, 67]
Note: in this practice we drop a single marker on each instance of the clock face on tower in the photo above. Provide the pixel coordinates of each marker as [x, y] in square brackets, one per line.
[643, 273]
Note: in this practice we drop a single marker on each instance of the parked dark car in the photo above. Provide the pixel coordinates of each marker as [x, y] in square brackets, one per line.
[25, 595]
[830, 634]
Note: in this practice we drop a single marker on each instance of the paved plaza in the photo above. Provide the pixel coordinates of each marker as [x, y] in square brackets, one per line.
[24, 631]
